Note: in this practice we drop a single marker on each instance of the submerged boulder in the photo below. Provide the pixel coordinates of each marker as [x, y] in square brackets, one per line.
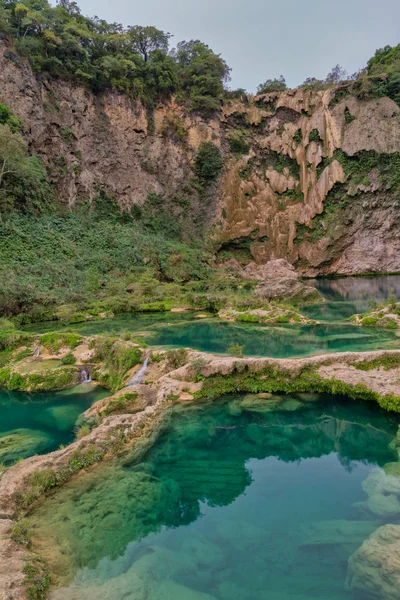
[383, 490]
[22, 443]
[375, 568]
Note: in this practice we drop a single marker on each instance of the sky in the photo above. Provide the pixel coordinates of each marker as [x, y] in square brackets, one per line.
[262, 39]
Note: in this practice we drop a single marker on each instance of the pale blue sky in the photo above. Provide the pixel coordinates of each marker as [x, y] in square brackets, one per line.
[260, 39]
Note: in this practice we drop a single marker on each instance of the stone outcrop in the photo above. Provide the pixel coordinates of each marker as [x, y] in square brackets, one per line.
[278, 201]
[375, 568]
[278, 280]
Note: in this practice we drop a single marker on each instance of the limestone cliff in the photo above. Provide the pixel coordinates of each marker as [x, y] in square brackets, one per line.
[317, 183]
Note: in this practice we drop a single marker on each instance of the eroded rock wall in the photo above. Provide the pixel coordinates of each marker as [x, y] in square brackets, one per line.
[272, 196]
[291, 196]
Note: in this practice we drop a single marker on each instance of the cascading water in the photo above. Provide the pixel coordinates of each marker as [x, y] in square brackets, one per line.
[138, 378]
[85, 376]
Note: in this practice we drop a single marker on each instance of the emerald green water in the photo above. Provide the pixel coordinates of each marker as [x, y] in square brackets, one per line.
[345, 297]
[38, 423]
[242, 499]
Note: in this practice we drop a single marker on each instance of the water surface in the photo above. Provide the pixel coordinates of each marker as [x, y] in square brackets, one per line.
[39, 423]
[345, 297]
[242, 499]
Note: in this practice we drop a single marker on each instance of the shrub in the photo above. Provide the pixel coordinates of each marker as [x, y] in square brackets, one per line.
[238, 144]
[177, 358]
[68, 359]
[55, 340]
[314, 136]
[236, 350]
[20, 533]
[82, 431]
[208, 162]
[197, 365]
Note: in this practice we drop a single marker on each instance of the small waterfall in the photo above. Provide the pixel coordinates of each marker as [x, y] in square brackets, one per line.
[85, 376]
[138, 378]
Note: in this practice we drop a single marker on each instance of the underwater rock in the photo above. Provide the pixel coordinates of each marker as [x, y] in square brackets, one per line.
[383, 492]
[308, 397]
[151, 576]
[375, 568]
[58, 417]
[291, 405]
[22, 443]
[255, 403]
[335, 532]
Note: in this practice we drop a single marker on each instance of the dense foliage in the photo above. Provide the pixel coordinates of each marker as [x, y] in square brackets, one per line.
[384, 70]
[23, 179]
[78, 259]
[60, 42]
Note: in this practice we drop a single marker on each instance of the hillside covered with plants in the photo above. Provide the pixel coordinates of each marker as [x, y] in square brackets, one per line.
[127, 166]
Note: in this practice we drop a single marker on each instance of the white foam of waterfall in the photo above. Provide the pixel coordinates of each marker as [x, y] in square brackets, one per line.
[85, 376]
[138, 378]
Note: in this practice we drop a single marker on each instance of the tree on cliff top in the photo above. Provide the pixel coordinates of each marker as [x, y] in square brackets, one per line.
[202, 75]
[272, 85]
[60, 42]
[145, 40]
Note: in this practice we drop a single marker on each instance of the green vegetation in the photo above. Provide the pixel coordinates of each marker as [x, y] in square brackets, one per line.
[359, 166]
[280, 162]
[61, 43]
[314, 136]
[387, 362]
[177, 358]
[238, 143]
[272, 85]
[298, 136]
[55, 340]
[60, 266]
[53, 379]
[383, 71]
[37, 578]
[7, 118]
[117, 359]
[23, 181]
[348, 117]
[208, 162]
[236, 350]
[83, 431]
[384, 315]
[273, 379]
[10, 337]
[21, 534]
[125, 403]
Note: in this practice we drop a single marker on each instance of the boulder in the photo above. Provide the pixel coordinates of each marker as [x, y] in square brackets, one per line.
[275, 269]
[375, 568]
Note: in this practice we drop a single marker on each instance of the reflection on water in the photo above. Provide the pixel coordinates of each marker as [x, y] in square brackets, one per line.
[346, 297]
[246, 498]
[38, 423]
[350, 295]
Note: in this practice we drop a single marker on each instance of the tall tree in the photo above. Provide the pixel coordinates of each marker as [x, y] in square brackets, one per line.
[145, 40]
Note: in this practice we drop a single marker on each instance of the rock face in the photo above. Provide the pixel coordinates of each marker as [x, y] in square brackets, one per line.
[290, 197]
[278, 280]
[375, 568]
[281, 201]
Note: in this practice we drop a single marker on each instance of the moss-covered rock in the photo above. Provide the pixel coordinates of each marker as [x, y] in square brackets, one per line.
[38, 381]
